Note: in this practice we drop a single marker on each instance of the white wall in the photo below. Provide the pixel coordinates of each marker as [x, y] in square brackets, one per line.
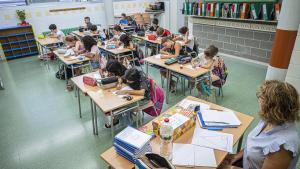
[293, 73]
[39, 16]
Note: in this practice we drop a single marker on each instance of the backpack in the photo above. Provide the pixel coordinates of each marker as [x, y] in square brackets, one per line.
[157, 97]
[60, 74]
[221, 71]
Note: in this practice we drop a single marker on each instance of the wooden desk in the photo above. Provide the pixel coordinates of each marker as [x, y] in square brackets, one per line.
[80, 86]
[112, 104]
[47, 41]
[70, 61]
[81, 34]
[118, 162]
[117, 53]
[44, 45]
[196, 74]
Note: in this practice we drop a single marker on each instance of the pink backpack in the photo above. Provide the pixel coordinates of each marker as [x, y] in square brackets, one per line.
[157, 97]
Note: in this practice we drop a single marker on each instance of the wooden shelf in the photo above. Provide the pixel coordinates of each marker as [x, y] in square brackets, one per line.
[237, 20]
[18, 41]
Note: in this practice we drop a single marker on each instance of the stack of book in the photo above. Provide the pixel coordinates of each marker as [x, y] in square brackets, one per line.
[218, 120]
[131, 143]
[256, 11]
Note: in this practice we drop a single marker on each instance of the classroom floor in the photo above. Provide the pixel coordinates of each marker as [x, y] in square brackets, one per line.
[40, 127]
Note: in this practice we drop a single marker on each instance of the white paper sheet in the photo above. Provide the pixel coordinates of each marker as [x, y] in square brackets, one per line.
[177, 120]
[192, 155]
[158, 56]
[185, 103]
[212, 139]
[124, 88]
[227, 117]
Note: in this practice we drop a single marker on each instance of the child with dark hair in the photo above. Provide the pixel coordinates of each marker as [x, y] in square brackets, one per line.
[117, 31]
[154, 25]
[56, 33]
[93, 52]
[94, 29]
[185, 38]
[123, 20]
[131, 22]
[139, 84]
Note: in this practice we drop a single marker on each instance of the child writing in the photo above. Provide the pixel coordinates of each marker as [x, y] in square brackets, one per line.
[74, 43]
[93, 52]
[56, 33]
[206, 59]
[185, 38]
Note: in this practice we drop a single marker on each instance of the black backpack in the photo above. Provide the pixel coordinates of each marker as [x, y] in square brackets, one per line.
[60, 74]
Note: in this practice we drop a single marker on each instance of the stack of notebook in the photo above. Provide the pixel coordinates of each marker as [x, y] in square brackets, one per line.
[131, 143]
[217, 120]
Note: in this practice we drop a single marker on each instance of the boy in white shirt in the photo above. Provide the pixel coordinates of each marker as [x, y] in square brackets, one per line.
[185, 38]
[56, 33]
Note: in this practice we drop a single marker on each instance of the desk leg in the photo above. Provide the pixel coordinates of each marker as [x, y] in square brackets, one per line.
[138, 115]
[79, 104]
[66, 77]
[92, 111]
[239, 146]
[112, 123]
[168, 86]
[146, 50]
[95, 119]
[147, 69]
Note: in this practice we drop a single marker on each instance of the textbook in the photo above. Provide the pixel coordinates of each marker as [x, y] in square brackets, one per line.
[267, 9]
[245, 11]
[255, 11]
[131, 143]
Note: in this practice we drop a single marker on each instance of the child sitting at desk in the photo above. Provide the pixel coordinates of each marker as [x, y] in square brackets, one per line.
[126, 42]
[94, 29]
[74, 43]
[93, 52]
[56, 33]
[123, 20]
[205, 60]
[117, 31]
[171, 49]
[161, 32]
[274, 142]
[186, 38]
[131, 22]
[154, 26]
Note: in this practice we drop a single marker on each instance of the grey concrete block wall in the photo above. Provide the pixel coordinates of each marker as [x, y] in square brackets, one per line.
[249, 44]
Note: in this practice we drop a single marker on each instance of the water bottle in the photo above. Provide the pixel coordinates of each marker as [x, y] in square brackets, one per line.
[166, 139]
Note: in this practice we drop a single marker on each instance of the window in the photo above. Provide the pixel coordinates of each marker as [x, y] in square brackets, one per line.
[6, 3]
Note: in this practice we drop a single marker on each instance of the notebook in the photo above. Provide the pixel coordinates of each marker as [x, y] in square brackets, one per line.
[192, 155]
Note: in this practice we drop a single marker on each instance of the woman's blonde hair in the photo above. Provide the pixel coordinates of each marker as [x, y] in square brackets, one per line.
[279, 102]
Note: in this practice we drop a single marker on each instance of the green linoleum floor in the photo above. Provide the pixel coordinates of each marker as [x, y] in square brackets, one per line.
[40, 127]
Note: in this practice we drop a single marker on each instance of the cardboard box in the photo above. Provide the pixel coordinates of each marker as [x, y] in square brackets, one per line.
[181, 120]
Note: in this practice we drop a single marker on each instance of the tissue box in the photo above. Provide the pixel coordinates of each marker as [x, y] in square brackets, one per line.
[181, 120]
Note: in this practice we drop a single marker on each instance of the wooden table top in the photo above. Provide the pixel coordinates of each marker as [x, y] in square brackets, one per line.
[116, 161]
[81, 34]
[78, 81]
[48, 41]
[116, 51]
[107, 101]
[124, 27]
[145, 38]
[186, 70]
[104, 98]
[70, 59]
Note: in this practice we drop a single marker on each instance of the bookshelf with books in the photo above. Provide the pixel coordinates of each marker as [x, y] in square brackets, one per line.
[17, 42]
[259, 11]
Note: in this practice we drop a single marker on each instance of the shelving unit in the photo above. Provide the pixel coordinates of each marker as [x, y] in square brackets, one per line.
[17, 42]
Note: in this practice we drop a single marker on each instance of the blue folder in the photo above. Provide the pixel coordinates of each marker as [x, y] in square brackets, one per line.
[212, 127]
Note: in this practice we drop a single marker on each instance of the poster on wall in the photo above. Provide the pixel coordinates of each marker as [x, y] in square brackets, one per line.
[236, 1]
